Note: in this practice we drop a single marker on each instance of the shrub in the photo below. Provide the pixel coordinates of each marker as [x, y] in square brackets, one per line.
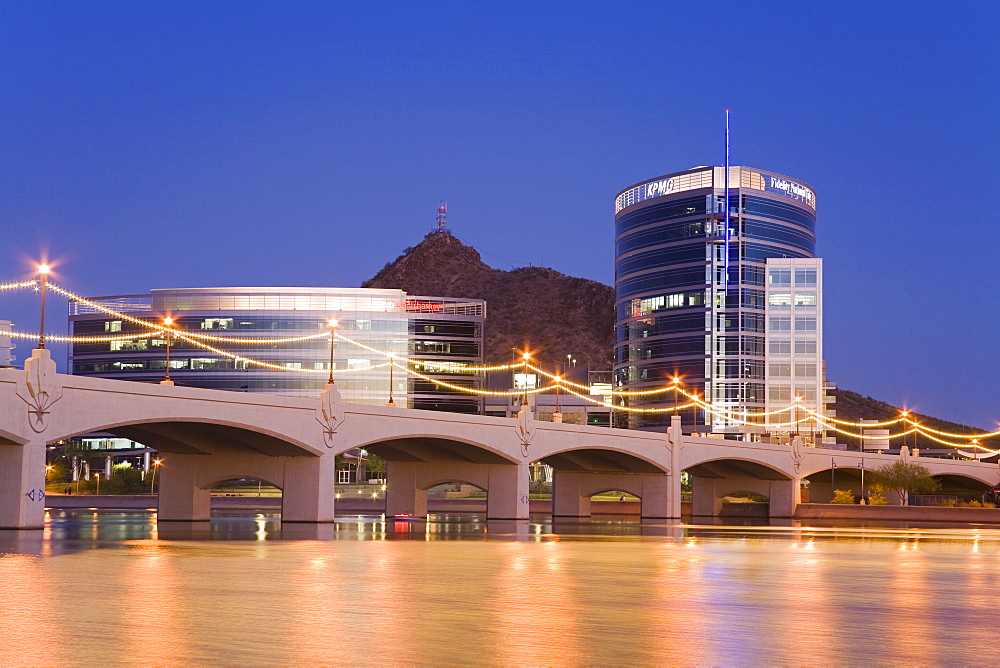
[843, 496]
[987, 504]
[877, 499]
[948, 503]
[972, 504]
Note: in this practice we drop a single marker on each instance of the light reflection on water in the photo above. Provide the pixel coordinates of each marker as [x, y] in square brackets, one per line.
[116, 587]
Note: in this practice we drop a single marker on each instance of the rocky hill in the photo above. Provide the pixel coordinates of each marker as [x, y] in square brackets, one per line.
[549, 313]
[555, 315]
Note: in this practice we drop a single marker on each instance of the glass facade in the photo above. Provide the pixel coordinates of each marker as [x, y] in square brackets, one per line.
[448, 332]
[693, 297]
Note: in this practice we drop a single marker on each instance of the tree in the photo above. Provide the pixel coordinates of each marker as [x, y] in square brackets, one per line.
[905, 478]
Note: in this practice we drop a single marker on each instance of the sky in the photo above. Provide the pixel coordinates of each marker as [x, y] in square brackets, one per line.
[187, 144]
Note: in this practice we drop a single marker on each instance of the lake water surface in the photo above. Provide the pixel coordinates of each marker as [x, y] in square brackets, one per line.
[106, 587]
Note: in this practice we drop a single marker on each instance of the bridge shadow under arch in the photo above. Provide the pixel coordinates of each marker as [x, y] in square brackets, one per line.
[418, 463]
[714, 480]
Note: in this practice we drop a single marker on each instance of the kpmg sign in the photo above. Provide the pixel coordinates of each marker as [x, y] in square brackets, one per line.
[790, 188]
[657, 188]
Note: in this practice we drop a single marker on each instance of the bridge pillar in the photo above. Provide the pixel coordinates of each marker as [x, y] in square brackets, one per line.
[181, 499]
[309, 488]
[22, 486]
[571, 492]
[705, 500]
[507, 494]
[403, 495]
[785, 497]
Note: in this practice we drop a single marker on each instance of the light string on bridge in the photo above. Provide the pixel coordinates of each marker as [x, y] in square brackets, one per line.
[21, 284]
[558, 382]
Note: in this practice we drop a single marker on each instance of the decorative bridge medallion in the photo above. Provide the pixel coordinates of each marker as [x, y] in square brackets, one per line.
[330, 413]
[40, 388]
[797, 454]
[525, 428]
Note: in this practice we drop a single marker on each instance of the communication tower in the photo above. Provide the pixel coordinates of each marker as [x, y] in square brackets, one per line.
[442, 218]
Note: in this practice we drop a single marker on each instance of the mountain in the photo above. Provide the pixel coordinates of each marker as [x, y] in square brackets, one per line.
[554, 315]
[531, 308]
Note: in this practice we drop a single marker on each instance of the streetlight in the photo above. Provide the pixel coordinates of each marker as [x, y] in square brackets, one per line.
[98, 492]
[152, 478]
[333, 335]
[43, 269]
[168, 321]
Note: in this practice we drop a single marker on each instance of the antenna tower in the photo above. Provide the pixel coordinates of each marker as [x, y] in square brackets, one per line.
[442, 218]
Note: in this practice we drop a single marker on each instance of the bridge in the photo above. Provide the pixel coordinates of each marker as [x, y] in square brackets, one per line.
[211, 436]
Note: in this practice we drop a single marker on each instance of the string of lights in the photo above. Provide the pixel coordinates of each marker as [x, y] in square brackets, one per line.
[472, 390]
[80, 339]
[15, 286]
[270, 365]
[558, 382]
[162, 328]
[628, 409]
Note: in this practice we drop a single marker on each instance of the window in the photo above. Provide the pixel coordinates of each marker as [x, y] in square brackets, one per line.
[139, 344]
[781, 347]
[217, 323]
[779, 370]
[805, 347]
[807, 370]
[779, 299]
[780, 278]
[113, 326]
[807, 299]
[524, 381]
[783, 323]
[805, 278]
[805, 323]
[779, 394]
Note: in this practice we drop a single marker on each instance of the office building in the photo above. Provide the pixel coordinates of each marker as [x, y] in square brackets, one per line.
[725, 295]
[443, 336]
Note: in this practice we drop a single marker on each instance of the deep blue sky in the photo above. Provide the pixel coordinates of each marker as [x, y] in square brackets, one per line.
[179, 144]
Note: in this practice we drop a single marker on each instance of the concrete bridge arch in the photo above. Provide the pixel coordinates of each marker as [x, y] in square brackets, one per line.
[715, 478]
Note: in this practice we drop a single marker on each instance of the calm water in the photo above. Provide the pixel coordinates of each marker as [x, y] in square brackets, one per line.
[113, 588]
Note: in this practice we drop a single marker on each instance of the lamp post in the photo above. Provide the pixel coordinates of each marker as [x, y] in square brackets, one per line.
[524, 365]
[392, 365]
[43, 269]
[98, 492]
[168, 321]
[333, 335]
[152, 478]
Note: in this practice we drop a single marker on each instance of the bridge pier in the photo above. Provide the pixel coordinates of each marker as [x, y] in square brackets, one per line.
[307, 484]
[506, 486]
[22, 485]
[707, 493]
[181, 498]
[571, 492]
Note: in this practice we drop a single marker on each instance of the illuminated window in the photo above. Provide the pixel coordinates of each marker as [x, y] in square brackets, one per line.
[525, 381]
[113, 326]
[805, 299]
[780, 300]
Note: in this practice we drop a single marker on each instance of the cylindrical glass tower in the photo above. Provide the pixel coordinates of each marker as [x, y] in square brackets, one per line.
[691, 294]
